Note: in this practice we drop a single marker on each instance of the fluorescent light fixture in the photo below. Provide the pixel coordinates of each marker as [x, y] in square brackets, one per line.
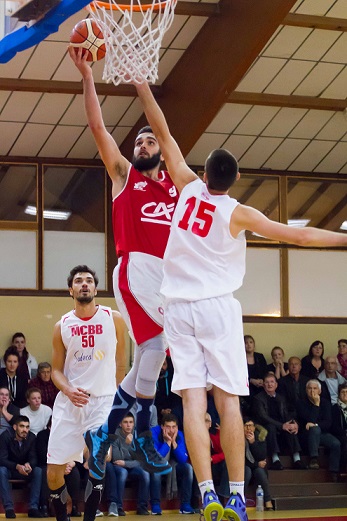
[298, 223]
[343, 225]
[57, 215]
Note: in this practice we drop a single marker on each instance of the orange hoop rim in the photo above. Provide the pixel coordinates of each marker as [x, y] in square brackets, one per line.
[128, 7]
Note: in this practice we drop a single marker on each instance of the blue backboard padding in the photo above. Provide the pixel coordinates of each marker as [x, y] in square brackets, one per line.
[26, 37]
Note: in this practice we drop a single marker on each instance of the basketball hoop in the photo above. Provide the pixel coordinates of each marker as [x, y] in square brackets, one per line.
[133, 33]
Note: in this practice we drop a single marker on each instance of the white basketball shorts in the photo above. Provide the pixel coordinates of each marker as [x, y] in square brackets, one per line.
[136, 284]
[66, 441]
[206, 344]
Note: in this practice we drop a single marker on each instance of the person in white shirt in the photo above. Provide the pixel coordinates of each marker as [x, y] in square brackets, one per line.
[37, 413]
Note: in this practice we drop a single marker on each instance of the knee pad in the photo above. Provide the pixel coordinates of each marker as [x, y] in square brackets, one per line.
[152, 358]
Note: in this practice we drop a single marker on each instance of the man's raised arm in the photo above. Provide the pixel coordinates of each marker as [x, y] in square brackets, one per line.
[178, 169]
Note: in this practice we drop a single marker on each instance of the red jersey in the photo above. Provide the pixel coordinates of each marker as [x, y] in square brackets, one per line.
[142, 214]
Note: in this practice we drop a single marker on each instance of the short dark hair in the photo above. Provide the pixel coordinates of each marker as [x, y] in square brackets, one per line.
[17, 335]
[145, 130]
[20, 418]
[81, 268]
[169, 418]
[342, 340]
[32, 390]
[221, 169]
[12, 350]
[341, 387]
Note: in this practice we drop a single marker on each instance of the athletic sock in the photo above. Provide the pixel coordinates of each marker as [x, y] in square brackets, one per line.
[205, 486]
[59, 499]
[239, 487]
[143, 414]
[296, 456]
[92, 497]
[122, 404]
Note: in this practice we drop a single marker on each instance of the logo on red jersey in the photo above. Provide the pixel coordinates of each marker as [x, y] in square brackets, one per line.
[141, 185]
[159, 213]
[172, 191]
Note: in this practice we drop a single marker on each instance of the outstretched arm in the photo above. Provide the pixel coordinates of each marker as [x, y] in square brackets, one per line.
[116, 164]
[247, 218]
[179, 171]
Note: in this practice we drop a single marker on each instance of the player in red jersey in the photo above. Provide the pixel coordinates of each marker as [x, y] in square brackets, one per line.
[144, 199]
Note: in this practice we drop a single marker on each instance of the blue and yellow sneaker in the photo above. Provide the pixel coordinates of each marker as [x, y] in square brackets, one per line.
[235, 509]
[98, 444]
[212, 507]
[143, 450]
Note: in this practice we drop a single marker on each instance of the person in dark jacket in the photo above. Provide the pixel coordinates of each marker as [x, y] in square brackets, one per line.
[10, 378]
[315, 417]
[293, 386]
[8, 411]
[339, 423]
[256, 364]
[18, 460]
[313, 363]
[271, 411]
[256, 460]
[122, 467]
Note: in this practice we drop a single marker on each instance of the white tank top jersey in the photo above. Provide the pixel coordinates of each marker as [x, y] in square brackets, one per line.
[202, 260]
[90, 351]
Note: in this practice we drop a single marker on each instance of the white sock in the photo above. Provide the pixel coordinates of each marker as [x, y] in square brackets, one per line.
[237, 486]
[275, 457]
[296, 456]
[205, 486]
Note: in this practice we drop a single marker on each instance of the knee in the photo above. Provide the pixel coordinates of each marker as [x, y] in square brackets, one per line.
[55, 476]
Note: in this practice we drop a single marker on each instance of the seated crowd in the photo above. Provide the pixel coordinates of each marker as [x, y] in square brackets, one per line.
[294, 407]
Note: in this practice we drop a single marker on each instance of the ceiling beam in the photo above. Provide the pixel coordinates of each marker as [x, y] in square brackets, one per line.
[213, 65]
[197, 9]
[279, 100]
[316, 22]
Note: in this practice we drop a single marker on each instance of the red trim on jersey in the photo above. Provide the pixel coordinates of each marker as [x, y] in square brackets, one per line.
[143, 326]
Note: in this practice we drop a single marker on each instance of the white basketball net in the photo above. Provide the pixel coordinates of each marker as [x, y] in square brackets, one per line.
[133, 39]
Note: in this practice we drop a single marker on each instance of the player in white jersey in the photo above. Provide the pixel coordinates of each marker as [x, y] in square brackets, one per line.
[203, 264]
[86, 364]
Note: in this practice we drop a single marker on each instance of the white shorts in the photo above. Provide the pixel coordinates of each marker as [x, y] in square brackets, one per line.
[136, 284]
[66, 441]
[206, 344]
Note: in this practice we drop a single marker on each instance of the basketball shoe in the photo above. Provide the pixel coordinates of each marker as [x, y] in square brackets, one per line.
[98, 443]
[212, 507]
[235, 509]
[143, 450]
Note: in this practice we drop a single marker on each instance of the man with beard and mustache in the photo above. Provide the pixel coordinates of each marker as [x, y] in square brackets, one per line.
[85, 367]
[144, 199]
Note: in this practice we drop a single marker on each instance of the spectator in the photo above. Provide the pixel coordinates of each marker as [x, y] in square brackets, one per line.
[27, 362]
[256, 460]
[271, 411]
[331, 378]
[219, 467]
[313, 363]
[18, 460]
[121, 467]
[43, 381]
[279, 367]
[315, 417]
[8, 411]
[256, 364]
[72, 475]
[293, 386]
[342, 357]
[37, 413]
[10, 378]
[165, 400]
[170, 443]
[339, 423]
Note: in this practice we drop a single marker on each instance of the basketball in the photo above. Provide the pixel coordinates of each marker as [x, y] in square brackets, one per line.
[88, 35]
